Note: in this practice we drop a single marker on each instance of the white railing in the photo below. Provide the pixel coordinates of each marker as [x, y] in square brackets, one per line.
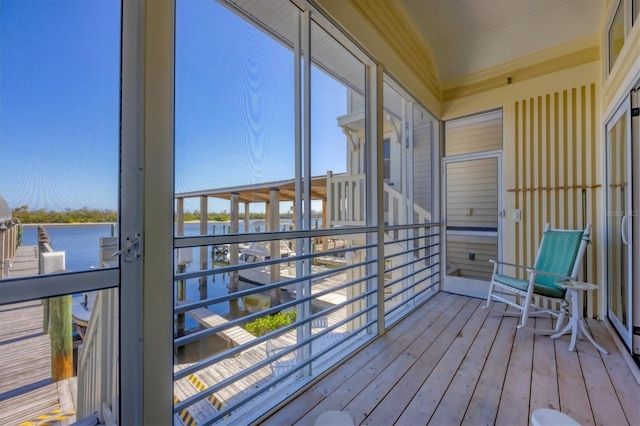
[98, 361]
[395, 209]
[346, 203]
[346, 200]
[345, 206]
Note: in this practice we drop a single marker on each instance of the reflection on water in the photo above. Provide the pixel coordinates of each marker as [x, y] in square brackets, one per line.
[196, 351]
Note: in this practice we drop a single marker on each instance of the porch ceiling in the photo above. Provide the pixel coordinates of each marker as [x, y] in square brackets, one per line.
[468, 36]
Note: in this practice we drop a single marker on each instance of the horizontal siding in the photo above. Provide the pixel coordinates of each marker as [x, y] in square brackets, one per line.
[483, 248]
[482, 132]
[472, 185]
[356, 102]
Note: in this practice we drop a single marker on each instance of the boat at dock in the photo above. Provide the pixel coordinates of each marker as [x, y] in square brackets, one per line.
[81, 311]
[259, 252]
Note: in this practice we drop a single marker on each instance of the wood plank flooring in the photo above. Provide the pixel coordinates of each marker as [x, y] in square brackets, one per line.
[25, 262]
[452, 362]
[27, 393]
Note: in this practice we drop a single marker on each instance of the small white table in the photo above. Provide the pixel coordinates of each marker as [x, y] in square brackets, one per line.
[549, 417]
[576, 322]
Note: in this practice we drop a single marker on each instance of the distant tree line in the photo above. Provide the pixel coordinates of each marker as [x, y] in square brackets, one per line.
[83, 215]
[87, 215]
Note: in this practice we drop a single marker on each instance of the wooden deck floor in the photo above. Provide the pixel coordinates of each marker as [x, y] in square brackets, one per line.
[452, 362]
[25, 262]
[27, 394]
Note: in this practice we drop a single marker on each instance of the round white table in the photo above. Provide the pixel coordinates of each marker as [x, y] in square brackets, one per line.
[576, 322]
[549, 417]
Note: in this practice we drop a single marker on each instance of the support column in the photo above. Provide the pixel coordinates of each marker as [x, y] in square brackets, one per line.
[3, 254]
[180, 326]
[204, 258]
[180, 217]
[151, 58]
[267, 216]
[324, 223]
[273, 215]
[235, 213]
[181, 285]
[234, 253]
[247, 228]
[61, 338]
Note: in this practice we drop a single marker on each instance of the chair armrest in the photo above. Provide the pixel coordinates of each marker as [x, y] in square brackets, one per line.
[532, 270]
[497, 262]
[549, 274]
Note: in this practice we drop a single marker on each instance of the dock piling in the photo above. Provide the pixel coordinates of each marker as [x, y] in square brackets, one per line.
[61, 338]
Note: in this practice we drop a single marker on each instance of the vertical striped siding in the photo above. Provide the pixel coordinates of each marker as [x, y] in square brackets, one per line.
[555, 177]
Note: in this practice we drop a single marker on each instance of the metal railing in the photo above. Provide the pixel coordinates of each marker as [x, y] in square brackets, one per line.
[412, 272]
[333, 294]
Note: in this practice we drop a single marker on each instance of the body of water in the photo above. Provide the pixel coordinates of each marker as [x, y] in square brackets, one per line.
[81, 244]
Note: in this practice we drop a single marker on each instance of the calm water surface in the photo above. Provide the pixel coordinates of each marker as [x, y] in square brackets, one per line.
[81, 244]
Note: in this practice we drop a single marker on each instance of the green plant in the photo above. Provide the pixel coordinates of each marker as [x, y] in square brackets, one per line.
[269, 323]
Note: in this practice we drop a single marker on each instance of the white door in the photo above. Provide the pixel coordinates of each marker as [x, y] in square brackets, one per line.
[472, 221]
[619, 218]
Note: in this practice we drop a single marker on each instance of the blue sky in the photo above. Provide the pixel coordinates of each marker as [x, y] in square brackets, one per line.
[59, 104]
[59, 101]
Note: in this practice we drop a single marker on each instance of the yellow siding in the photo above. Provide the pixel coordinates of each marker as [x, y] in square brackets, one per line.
[472, 195]
[484, 248]
[482, 132]
[552, 174]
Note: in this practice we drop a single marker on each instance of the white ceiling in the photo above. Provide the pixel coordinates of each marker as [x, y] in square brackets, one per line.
[467, 36]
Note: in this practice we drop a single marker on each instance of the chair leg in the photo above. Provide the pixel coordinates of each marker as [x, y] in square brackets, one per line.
[525, 312]
[491, 286]
[488, 304]
[560, 321]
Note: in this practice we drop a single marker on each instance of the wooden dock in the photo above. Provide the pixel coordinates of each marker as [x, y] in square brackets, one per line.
[235, 335]
[236, 365]
[27, 394]
[25, 262]
[323, 284]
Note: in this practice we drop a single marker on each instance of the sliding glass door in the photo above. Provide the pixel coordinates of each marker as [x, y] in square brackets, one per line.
[619, 214]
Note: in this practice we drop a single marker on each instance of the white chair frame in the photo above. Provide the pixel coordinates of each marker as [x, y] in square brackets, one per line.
[527, 308]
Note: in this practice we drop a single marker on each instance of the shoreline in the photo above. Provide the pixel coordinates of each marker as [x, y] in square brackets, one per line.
[106, 223]
[116, 224]
[70, 224]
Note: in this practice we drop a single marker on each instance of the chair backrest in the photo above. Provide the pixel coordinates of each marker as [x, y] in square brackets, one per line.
[561, 253]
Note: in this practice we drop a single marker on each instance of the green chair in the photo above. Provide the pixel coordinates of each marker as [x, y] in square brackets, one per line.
[559, 257]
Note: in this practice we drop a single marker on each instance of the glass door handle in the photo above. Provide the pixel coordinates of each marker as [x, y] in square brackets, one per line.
[624, 231]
